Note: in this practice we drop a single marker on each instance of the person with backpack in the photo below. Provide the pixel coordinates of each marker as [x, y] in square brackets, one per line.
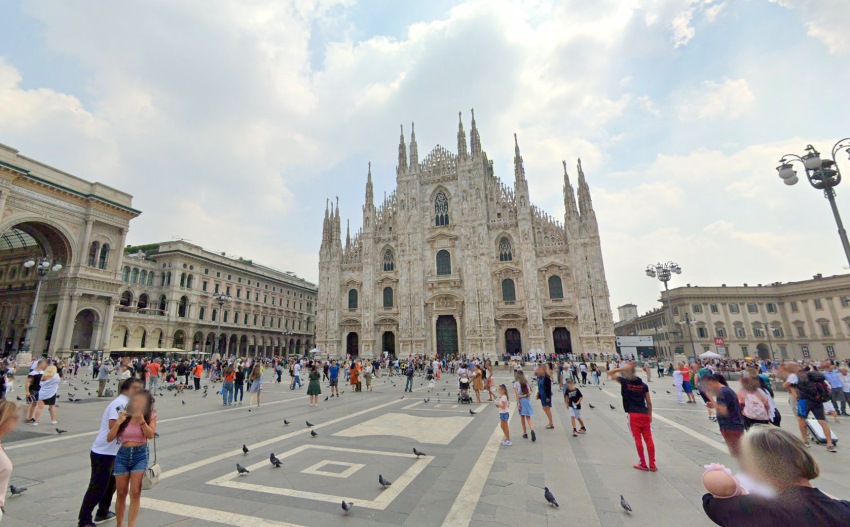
[754, 403]
[811, 391]
[408, 372]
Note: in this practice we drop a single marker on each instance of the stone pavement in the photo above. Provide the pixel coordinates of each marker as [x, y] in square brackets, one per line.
[467, 478]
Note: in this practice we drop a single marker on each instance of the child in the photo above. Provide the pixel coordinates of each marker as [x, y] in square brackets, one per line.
[573, 398]
[502, 404]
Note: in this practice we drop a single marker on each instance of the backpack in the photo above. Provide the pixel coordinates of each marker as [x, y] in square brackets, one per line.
[814, 388]
[754, 408]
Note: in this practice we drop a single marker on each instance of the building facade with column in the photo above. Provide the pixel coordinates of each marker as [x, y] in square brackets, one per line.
[166, 302]
[808, 319]
[454, 261]
[45, 212]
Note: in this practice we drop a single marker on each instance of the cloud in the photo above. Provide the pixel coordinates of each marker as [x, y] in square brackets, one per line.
[726, 99]
[824, 20]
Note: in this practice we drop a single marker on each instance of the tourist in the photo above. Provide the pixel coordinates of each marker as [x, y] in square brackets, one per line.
[256, 384]
[503, 404]
[594, 373]
[477, 375]
[333, 378]
[845, 387]
[775, 457]
[833, 377]
[49, 388]
[153, 371]
[296, 375]
[238, 383]
[133, 428]
[573, 397]
[197, 374]
[729, 415]
[228, 377]
[638, 405]
[101, 486]
[678, 384]
[409, 372]
[8, 422]
[544, 393]
[695, 377]
[314, 388]
[489, 382]
[583, 370]
[810, 390]
[523, 396]
[754, 403]
[33, 387]
[686, 383]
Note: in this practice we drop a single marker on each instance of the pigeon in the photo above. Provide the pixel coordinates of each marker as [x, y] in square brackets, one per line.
[418, 453]
[402, 397]
[285, 422]
[347, 507]
[653, 392]
[612, 406]
[17, 491]
[244, 449]
[426, 401]
[60, 431]
[591, 406]
[326, 397]
[274, 460]
[242, 470]
[550, 497]
[205, 394]
[313, 433]
[625, 504]
[184, 403]
[309, 424]
[668, 392]
[471, 412]
[19, 398]
[384, 483]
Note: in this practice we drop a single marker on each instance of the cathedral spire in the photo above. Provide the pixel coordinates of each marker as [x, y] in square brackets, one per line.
[519, 170]
[402, 153]
[347, 233]
[414, 149]
[461, 138]
[369, 192]
[475, 140]
[585, 204]
[569, 197]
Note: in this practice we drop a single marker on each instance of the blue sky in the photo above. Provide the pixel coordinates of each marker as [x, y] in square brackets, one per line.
[232, 122]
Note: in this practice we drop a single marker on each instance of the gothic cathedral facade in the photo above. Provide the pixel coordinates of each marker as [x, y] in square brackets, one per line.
[455, 262]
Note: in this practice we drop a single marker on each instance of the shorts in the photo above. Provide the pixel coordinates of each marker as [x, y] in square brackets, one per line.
[131, 459]
[686, 385]
[575, 412]
[334, 381]
[504, 416]
[50, 401]
[805, 407]
[546, 401]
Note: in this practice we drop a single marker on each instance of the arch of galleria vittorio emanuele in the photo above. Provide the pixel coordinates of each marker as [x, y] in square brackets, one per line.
[45, 212]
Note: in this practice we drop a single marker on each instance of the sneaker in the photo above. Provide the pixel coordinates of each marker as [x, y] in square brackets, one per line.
[642, 467]
[34, 423]
[87, 524]
[506, 443]
[54, 422]
[807, 444]
[533, 436]
[109, 516]
[525, 436]
[575, 434]
[831, 449]
[582, 430]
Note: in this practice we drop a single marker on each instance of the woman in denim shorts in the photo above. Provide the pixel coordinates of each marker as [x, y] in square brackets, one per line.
[134, 426]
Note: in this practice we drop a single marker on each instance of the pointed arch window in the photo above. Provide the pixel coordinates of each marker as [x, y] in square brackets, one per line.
[93, 250]
[352, 299]
[441, 209]
[508, 290]
[389, 260]
[104, 256]
[556, 287]
[388, 297]
[444, 263]
[505, 250]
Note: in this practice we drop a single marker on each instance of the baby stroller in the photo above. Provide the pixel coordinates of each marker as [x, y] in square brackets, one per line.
[463, 394]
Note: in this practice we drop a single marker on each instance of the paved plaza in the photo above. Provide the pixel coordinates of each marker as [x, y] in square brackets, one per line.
[466, 478]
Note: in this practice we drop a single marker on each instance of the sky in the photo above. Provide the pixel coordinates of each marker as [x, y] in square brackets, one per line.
[231, 122]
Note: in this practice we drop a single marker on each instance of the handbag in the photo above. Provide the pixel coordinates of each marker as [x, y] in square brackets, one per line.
[151, 477]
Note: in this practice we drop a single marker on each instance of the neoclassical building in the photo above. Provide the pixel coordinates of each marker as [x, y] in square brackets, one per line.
[166, 302]
[45, 212]
[456, 261]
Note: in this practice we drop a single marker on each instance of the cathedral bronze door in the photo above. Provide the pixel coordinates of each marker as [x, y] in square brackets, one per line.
[352, 346]
[446, 335]
[513, 342]
[388, 343]
[563, 343]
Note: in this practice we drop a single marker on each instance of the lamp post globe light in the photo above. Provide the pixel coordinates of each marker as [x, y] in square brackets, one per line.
[823, 174]
[42, 267]
[664, 272]
[220, 299]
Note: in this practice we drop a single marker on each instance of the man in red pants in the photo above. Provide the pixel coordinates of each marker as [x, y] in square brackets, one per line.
[638, 404]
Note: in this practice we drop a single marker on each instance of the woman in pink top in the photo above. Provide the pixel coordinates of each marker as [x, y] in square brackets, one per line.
[8, 421]
[134, 426]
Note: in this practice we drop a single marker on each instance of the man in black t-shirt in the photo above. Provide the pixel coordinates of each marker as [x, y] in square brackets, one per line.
[638, 405]
[729, 414]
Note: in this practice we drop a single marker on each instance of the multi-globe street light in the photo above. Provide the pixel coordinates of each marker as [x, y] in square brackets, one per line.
[42, 266]
[664, 272]
[823, 174]
[221, 299]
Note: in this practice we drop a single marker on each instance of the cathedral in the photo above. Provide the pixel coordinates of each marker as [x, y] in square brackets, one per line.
[456, 262]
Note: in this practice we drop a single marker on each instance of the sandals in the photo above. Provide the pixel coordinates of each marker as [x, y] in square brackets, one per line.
[550, 427]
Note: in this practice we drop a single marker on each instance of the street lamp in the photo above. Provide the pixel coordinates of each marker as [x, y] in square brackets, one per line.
[221, 299]
[42, 266]
[665, 271]
[823, 174]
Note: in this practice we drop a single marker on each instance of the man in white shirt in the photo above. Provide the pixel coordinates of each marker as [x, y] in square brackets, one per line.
[296, 376]
[102, 483]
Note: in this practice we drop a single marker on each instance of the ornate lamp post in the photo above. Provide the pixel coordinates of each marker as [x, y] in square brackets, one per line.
[823, 174]
[664, 272]
[42, 266]
[221, 299]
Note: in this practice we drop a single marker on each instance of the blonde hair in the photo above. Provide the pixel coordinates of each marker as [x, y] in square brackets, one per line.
[8, 410]
[779, 455]
[49, 373]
